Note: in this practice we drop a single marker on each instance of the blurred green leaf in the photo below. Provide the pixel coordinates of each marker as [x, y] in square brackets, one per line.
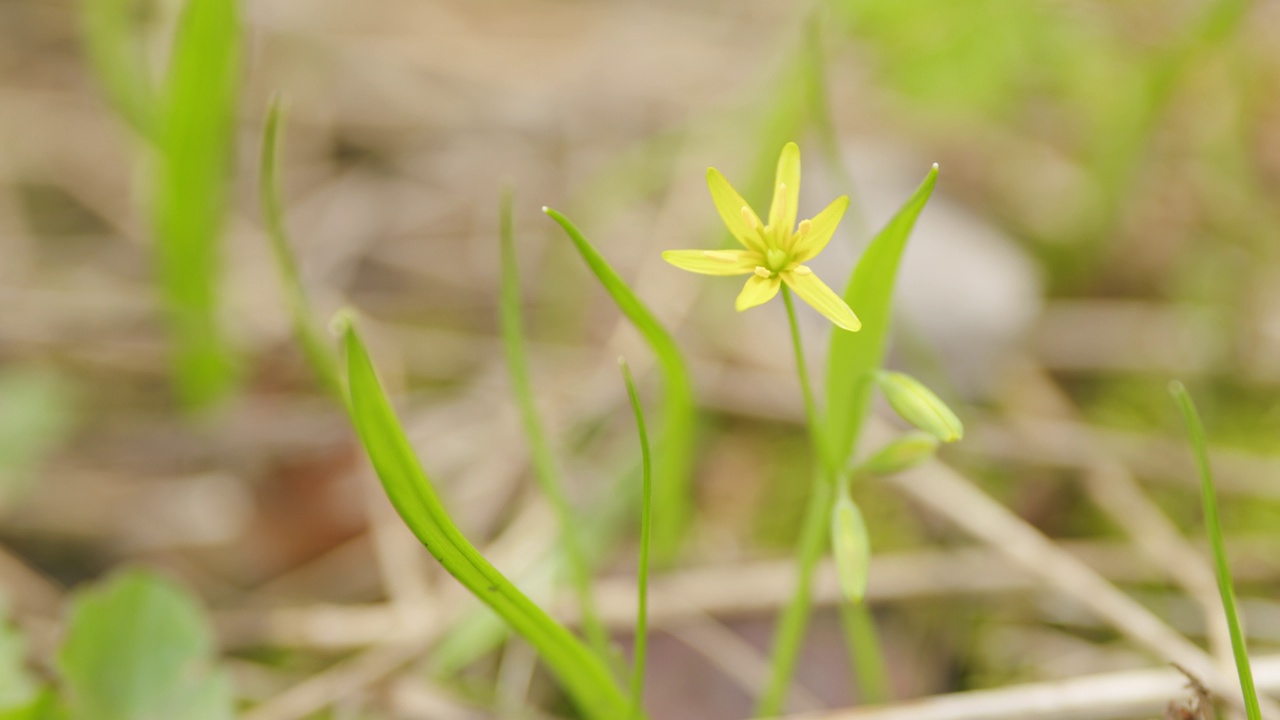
[44, 706]
[585, 676]
[196, 146]
[672, 494]
[18, 690]
[138, 647]
[854, 357]
[36, 415]
[116, 55]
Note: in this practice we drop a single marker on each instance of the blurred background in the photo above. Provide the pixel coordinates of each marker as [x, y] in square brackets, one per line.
[1106, 220]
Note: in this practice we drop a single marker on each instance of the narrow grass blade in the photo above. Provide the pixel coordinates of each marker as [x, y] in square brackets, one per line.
[672, 495]
[196, 137]
[854, 357]
[317, 348]
[642, 574]
[584, 676]
[546, 469]
[1213, 524]
[116, 55]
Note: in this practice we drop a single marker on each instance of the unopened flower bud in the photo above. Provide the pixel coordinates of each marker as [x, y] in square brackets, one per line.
[917, 404]
[901, 454]
[851, 549]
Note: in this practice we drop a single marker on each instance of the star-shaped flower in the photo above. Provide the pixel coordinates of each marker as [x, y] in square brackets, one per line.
[775, 252]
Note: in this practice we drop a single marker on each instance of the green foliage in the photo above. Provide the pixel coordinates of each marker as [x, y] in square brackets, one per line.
[546, 470]
[195, 143]
[584, 675]
[139, 648]
[675, 447]
[110, 30]
[854, 357]
[36, 415]
[646, 523]
[1209, 498]
[318, 349]
[18, 690]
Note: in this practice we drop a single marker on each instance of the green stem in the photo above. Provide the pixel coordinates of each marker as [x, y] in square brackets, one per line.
[795, 618]
[864, 645]
[806, 389]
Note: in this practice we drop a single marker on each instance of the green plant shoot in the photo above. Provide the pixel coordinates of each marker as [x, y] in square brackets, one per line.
[1213, 524]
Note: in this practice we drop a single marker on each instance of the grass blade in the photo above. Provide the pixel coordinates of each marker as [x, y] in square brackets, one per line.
[853, 357]
[671, 486]
[642, 574]
[1213, 524]
[584, 676]
[317, 348]
[196, 136]
[546, 470]
[117, 56]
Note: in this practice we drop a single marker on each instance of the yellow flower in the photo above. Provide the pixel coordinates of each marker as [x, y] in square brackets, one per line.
[775, 252]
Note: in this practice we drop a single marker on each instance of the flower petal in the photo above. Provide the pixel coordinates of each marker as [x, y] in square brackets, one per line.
[714, 262]
[757, 291]
[786, 192]
[822, 298]
[730, 206]
[821, 228]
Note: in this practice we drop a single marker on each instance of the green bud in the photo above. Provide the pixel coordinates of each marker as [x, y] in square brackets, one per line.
[851, 548]
[917, 404]
[902, 453]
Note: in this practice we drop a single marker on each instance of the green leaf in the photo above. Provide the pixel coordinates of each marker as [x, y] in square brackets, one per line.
[672, 493]
[315, 345]
[18, 690]
[854, 357]
[116, 55]
[585, 676]
[138, 647]
[1213, 524]
[196, 143]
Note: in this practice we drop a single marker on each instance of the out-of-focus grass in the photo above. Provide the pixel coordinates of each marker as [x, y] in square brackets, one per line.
[194, 143]
[678, 437]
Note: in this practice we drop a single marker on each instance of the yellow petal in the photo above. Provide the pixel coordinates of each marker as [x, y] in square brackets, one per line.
[821, 228]
[730, 206]
[714, 262]
[757, 291]
[822, 298]
[786, 192]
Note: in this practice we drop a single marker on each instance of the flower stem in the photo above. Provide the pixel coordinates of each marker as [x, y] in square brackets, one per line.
[864, 647]
[795, 618]
[825, 466]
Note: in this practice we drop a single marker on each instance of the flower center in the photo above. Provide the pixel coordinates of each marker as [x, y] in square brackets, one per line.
[775, 259]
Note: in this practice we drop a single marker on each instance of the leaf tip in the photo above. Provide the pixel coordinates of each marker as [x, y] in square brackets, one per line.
[342, 322]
